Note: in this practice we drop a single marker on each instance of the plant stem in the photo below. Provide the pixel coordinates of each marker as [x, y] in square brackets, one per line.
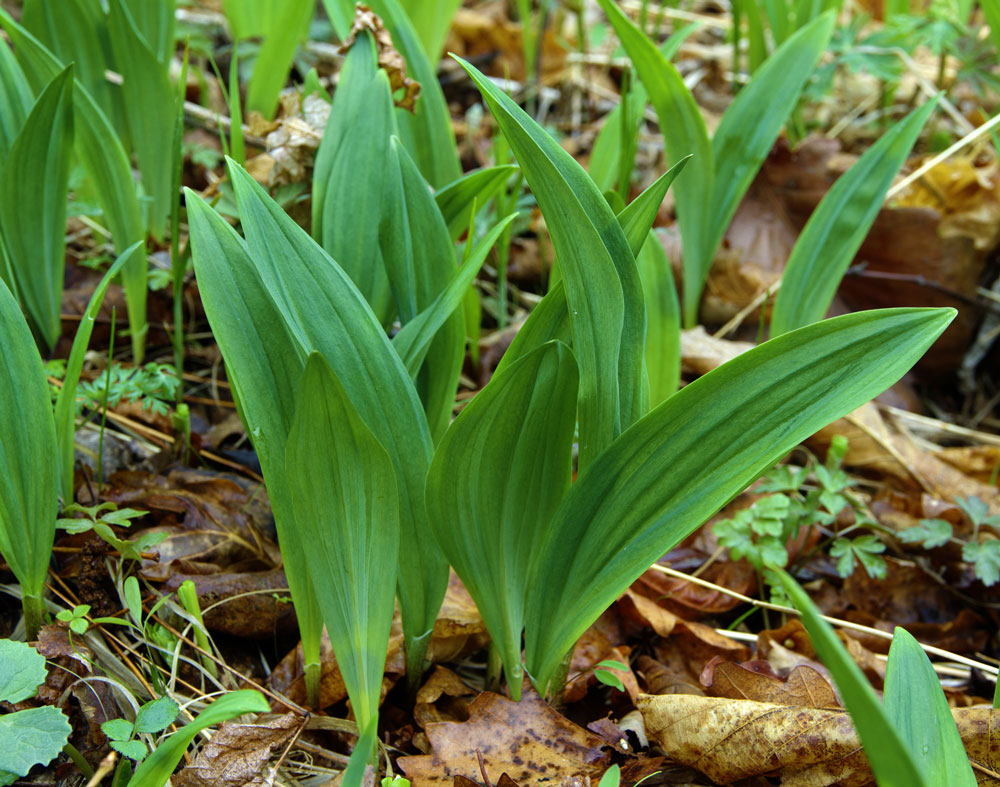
[104, 402]
[177, 260]
[494, 665]
[416, 651]
[78, 759]
[557, 683]
[34, 615]
[313, 674]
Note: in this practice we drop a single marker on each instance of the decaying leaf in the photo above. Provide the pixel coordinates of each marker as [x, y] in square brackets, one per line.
[757, 681]
[388, 58]
[729, 740]
[237, 755]
[527, 740]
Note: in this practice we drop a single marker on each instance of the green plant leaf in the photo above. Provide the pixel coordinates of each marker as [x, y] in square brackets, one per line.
[986, 557]
[157, 767]
[933, 532]
[602, 284]
[413, 339]
[918, 709]
[838, 226]
[33, 205]
[548, 321]
[456, 200]
[22, 670]
[156, 716]
[64, 406]
[685, 134]
[325, 311]
[39, 734]
[637, 217]
[347, 511]
[892, 763]
[28, 486]
[696, 451]
[119, 730]
[347, 209]
[106, 163]
[663, 320]
[497, 477]
[431, 20]
[149, 109]
[134, 750]
[15, 99]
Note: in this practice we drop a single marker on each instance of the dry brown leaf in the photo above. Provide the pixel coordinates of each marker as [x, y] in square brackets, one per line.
[443, 697]
[728, 740]
[757, 681]
[238, 753]
[527, 740]
[702, 352]
[388, 58]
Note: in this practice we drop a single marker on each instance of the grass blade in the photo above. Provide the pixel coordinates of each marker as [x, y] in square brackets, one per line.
[347, 511]
[838, 226]
[495, 482]
[476, 188]
[673, 469]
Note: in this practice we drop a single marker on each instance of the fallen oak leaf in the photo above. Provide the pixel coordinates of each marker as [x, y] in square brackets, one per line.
[527, 741]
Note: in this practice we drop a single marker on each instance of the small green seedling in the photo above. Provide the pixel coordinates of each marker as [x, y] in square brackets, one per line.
[40, 733]
[154, 716]
[395, 781]
[603, 674]
[76, 618]
[982, 550]
[101, 518]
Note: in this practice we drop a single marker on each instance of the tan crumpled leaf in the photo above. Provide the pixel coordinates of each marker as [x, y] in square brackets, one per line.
[237, 755]
[757, 681]
[729, 740]
[388, 57]
[527, 740]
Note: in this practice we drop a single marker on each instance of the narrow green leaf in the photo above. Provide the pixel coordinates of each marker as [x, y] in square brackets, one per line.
[15, 99]
[28, 491]
[495, 481]
[413, 339]
[637, 217]
[65, 402]
[750, 124]
[106, 163]
[892, 764]
[325, 311]
[347, 511]
[287, 25]
[917, 708]
[602, 283]
[685, 134]
[548, 321]
[663, 321]
[157, 767]
[155, 20]
[149, 110]
[431, 20]
[456, 200]
[838, 226]
[347, 207]
[33, 205]
[697, 450]
[605, 156]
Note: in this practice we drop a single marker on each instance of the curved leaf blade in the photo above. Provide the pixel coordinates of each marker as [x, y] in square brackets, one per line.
[682, 462]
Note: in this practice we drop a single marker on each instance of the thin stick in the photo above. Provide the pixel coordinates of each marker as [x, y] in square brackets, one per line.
[846, 624]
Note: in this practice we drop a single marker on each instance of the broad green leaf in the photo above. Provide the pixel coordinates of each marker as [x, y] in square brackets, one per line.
[420, 261]
[157, 767]
[918, 709]
[496, 479]
[751, 124]
[156, 22]
[344, 491]
[22, 670]
[325, 311]
[413, 339]
[548, 321]
[149, 110]
[892, 763]
[65, 403]
[28, 485]
[33, 205]
[838, 226]
[15, 99]
[34, 736]
[663, 321]
[264, 363]
[677, 466]
[602, 283]
[106, 163]
[476, 188]
[637, 217]
[76, 31]
[156, 715]
[427, 131]
[348, 205]
[685, 134]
